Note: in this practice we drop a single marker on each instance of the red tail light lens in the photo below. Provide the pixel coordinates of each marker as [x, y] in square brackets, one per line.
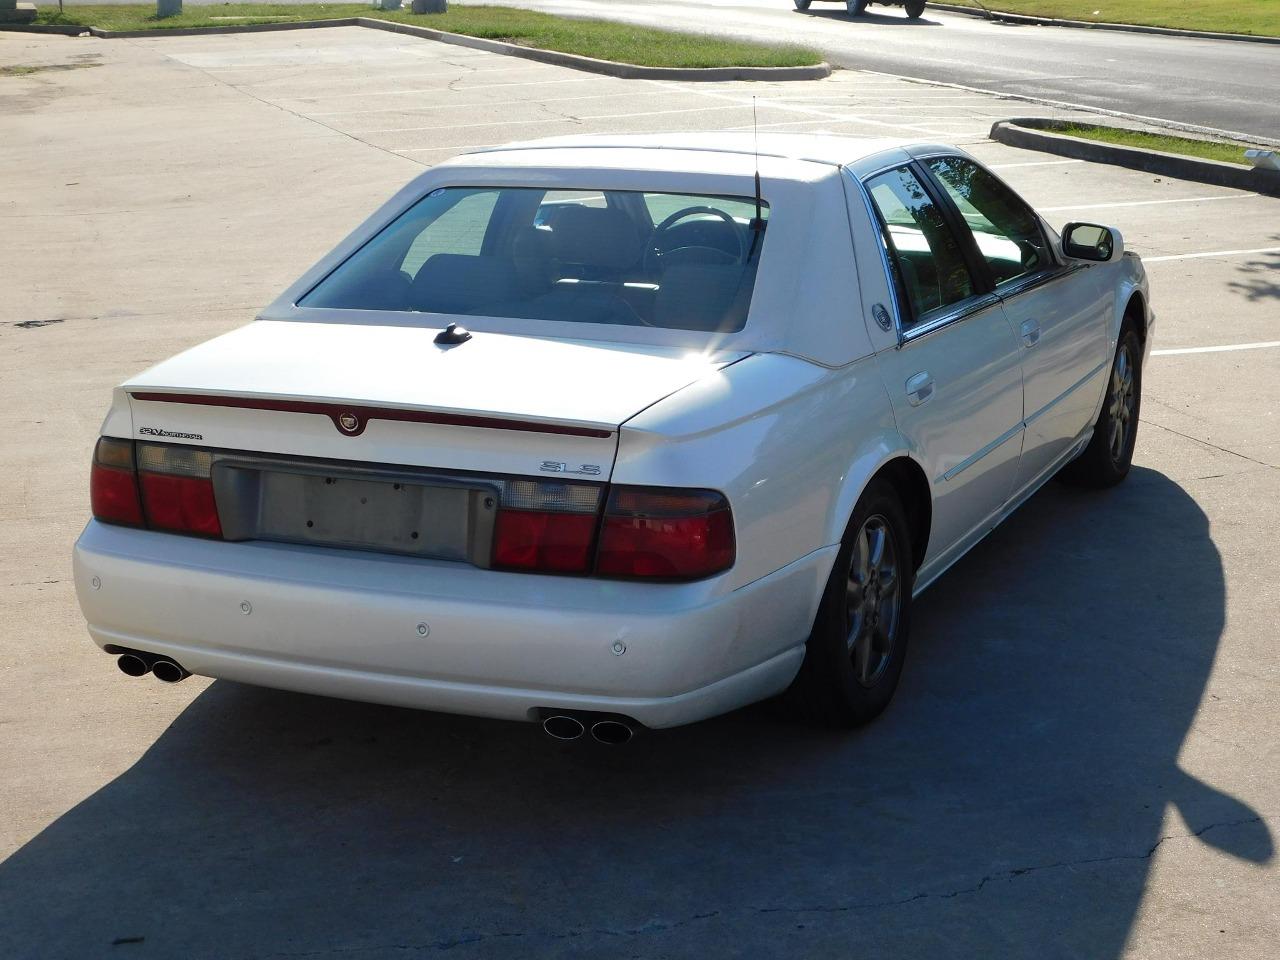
[181, 504]
[551, 542]
[546, 526]
[113, 485]
[177, 492]
[665, 534]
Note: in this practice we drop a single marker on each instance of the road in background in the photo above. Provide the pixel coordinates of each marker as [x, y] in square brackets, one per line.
[1225, 85]
[1222, 85]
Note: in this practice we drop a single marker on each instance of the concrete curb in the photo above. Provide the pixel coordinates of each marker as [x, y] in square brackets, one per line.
[57, 28]
[242, 28]
[1033, 133]
[1088, 25]
[628, 71]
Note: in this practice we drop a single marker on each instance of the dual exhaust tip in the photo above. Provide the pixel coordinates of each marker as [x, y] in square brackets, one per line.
[135, 664]
[563, 726]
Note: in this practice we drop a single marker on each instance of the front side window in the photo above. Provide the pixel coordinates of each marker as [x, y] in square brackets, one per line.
[1007, 232]
[930, 265]
[675, 261]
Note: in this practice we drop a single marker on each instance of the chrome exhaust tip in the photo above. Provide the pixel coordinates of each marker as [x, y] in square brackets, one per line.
[133, 665]
[563, 727]
[168, 671]
[612, 732]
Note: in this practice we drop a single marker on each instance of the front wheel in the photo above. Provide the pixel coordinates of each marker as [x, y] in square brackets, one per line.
[802, 4]
[854, 655]
[856, 8]
[915, 8]
[1109, 455]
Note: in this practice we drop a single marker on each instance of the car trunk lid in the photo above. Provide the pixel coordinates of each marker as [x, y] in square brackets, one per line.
[496, 403]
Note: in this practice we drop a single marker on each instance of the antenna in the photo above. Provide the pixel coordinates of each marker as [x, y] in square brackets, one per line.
[757, 224]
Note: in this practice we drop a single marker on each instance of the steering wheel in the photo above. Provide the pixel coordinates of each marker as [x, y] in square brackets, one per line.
[655, 250]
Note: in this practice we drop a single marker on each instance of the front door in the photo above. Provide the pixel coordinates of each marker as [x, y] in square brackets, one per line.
[1059, 313]
[955, 382]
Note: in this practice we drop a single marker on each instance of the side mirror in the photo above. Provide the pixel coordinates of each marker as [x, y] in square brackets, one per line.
[1090, 241]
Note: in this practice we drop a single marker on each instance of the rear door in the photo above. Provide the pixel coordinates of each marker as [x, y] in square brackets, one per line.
[955, 380]
[1060, 313]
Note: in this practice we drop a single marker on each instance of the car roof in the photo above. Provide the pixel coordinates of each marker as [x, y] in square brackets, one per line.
[632, 150]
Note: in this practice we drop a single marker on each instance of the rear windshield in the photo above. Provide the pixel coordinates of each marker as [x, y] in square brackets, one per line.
[668, 260]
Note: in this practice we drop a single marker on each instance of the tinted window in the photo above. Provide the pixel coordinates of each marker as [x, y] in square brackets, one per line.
[584, 256]
[930, 265]
[1007, 232]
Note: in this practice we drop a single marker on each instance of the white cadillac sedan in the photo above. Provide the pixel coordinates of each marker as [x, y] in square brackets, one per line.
[616, 433]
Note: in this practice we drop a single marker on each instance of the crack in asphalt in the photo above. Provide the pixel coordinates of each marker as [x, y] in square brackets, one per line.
[659, 926]
[653, 926]
[1234, 453]
[1013, 874]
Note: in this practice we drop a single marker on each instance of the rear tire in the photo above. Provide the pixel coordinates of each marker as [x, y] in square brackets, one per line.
[915, 8]
[854, 655]
[856, 8]
[802, 4]
[1109, 455]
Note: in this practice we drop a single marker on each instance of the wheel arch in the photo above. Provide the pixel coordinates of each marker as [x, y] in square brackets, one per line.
[1136, 308]
[912, 484]
[897, 468]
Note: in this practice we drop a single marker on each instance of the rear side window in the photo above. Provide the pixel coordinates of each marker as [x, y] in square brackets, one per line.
[928, 258]
[677, 261]
[1008, 234]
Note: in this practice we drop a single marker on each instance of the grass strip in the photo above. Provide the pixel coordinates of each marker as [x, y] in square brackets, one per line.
[1250, 17]
[618, 42]
[1186, 146]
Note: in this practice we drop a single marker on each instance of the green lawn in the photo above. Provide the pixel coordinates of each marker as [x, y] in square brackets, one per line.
[1207, 149]
[619, 42]
[1259, 17]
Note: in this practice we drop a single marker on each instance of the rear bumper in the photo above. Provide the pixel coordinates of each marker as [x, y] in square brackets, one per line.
[446, 636]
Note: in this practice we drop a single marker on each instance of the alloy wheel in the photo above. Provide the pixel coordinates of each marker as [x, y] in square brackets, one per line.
[873, 599]
[1122, 402]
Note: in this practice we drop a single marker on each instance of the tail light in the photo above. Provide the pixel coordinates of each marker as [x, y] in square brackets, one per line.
[157, 486]
[113, 484]
[665, 534]
[542, 526]
[177, 492]
[546, 526]
[645, 533]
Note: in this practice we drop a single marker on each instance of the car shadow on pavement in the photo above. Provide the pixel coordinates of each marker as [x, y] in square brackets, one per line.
[1007, 805]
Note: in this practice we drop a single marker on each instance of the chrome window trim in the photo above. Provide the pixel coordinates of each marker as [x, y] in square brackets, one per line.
[951, 313]
[884, 254]
[1040, 278]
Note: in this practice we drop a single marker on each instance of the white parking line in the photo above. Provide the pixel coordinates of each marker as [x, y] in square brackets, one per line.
[1146, 203]
[1223, 349]
[417, 108]
[746, 104]
[465, 126]
[401, 93]
[465, 148]
[1031, 163]
[1214, 253]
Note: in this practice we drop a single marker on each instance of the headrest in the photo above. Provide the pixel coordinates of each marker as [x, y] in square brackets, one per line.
[699, 297]
[596, 237]
[456, 283]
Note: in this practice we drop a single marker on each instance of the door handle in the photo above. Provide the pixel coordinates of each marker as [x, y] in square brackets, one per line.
[1030, 333]
[919, 388]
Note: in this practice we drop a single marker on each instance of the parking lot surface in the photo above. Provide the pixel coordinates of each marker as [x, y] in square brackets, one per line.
[1082, 760]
